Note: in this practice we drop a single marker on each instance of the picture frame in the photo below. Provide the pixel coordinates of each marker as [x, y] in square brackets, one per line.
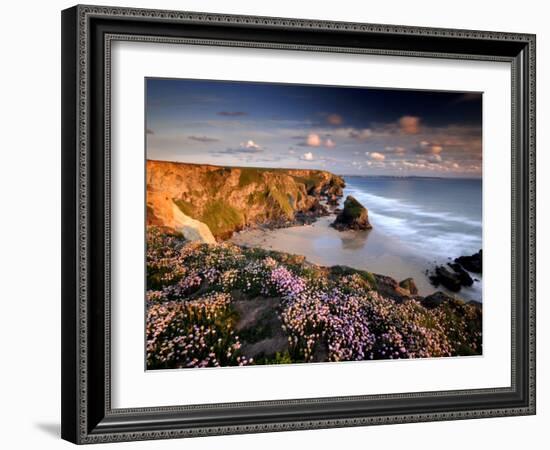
[87, 35]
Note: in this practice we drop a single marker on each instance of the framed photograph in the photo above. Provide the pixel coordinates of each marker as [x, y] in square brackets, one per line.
[280, 224]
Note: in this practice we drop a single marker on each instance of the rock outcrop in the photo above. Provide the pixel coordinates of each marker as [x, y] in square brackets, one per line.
[409, 285]
[455, 275]
[436, 299]
[354, 216]
[228, 199]
[471, 263]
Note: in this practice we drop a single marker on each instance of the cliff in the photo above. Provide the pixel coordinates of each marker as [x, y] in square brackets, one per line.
[205, 201]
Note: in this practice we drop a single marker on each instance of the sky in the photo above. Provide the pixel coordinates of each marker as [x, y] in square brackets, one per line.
[346, 130]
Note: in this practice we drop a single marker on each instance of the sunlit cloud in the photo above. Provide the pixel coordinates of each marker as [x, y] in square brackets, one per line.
[313, 140]
[428, 148]
[398, 150]
[307, 156]
[250, 144]
[335, 119]
[409, 124]
[376, 156]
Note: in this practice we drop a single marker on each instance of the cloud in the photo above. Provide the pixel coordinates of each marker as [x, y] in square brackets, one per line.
[467, 97]
[395, 150]
[329, 143]
[237, 151]
[428, 148]
[409, 125]
[232, 113]
[376, 156]
[251, 145]
[360, 135]
[149, 131]
[203, 139]
[307, 156]
[245, 148]
[314, 140]
[334, 119]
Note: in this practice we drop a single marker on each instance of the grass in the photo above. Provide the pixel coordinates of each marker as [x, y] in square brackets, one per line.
[309, 182]
[222, 218]
[368, 277]
[185, 207]
[277, 358]
[250, 176]
[352, 208]
[282, 201]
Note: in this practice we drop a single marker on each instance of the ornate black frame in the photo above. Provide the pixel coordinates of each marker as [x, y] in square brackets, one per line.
[87, 32]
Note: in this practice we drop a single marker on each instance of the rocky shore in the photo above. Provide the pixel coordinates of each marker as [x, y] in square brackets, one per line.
[456, 275]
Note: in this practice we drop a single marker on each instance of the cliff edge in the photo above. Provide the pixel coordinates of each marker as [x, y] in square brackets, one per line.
[216, 201]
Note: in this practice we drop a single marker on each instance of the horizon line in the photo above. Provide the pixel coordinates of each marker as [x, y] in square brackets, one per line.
[320, 170]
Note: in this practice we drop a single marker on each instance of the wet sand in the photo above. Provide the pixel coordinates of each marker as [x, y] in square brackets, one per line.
[371, 250]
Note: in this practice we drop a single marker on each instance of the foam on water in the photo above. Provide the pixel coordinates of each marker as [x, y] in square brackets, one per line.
[423, 223]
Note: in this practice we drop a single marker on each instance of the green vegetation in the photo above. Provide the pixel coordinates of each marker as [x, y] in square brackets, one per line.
[282, 201]
[352, 208]
[198, 297]
[185, 207]
[309, 182]
[249, 176]
[222, 218]
[367, 277]
[278, 358]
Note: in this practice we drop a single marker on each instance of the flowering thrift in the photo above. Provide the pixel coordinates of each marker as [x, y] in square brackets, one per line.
[327, 314]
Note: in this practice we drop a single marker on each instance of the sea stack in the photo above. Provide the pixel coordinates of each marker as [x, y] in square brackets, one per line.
[354, 216]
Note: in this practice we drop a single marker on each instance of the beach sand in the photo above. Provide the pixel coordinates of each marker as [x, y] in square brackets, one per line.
[371, 250]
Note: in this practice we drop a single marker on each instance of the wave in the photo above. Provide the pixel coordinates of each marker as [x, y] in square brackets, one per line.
[392, 204]
[443, 235]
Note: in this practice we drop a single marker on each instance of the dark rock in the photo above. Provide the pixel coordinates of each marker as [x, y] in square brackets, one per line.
[354, 216]
[452, 276]
[472, 263]
[465, 278]
[333, 200]
[409, 285]
[447, 278]
[436, 299]
[390, 288]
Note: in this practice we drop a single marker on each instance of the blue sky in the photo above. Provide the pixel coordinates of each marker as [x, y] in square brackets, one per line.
[359, 131]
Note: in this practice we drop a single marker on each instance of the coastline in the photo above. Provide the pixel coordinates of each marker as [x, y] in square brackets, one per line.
[371, 250]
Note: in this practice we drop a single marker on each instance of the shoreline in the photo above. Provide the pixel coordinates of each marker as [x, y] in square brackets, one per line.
[370, 250]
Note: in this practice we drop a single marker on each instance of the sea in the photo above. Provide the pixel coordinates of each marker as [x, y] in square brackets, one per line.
[417, 222]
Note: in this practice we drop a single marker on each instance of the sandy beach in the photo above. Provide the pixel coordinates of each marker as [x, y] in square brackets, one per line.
[371, 250]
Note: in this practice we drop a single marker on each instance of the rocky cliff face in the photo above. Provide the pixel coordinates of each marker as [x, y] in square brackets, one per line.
[202, 199]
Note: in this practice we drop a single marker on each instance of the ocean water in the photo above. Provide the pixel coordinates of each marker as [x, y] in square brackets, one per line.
[440, 218]
[418, 223]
